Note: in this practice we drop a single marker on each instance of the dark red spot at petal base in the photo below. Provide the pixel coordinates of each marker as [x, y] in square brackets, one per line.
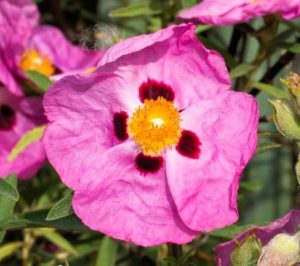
[148, 164]
[120, 125]
[152, 89]
[189, 144]
[7, 117]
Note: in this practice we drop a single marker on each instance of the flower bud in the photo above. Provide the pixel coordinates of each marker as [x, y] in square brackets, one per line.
[286, 119]
[282, 250]
[246, 252]
[293, 85]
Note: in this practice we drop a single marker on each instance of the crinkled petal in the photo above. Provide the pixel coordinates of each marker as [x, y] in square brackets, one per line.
[128, 205]
[205, 189]
[32, 158]
[173, 56]
[65, 56]
[287, 224]
[238, 11]
[81, 110]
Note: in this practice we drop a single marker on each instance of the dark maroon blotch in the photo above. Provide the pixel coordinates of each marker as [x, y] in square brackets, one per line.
[120, 125]
[148, 164]
[189, 144]
[152, 89]
[7, 117]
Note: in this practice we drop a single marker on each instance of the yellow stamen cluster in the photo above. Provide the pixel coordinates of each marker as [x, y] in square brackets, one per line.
[34, 61]
[155, 126]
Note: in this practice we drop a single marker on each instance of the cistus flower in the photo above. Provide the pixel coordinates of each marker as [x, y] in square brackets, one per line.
[25, 45]
[19, 115]
[216, 12]
[153, 142]
[277, 240]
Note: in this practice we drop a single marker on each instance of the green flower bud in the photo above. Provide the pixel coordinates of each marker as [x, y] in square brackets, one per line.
[282, 250]
[293, 85]
[286, 119]
[246, 252]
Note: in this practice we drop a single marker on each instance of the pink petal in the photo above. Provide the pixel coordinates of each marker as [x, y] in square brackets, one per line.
[205, 189]
[287, 224]
[128, 205]
[81, 111]
[238, 11]
[33, 157]
[173, 56]
[8, 80]
[51, 42]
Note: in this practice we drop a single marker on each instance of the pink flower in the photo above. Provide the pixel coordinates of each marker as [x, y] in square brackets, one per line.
[154, 142]
[218, 12]
[18, 116]
[24, 45]
[287, 224]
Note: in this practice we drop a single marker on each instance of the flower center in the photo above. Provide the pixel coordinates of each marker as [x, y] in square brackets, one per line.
[34, 61]
[155, 126]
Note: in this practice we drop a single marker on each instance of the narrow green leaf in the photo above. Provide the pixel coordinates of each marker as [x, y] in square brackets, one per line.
[267, 146]
[107, 252]
[40, 80]
[29, 138]
[38, 219]
[8, 190]
[241, 70]
[133, 11]
[61, 209]
[295, 48]
[230, 231]
[203, 28]
[8, 203]
[271, 90]
[251, 186]
[9, 249]
[56, 239]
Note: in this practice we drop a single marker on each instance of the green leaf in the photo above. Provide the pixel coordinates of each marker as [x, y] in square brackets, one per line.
[203, 28]
[29, 138]
[8, 203]
[295, 48]
[61, 209]
[188, 3]
[9, 249]
[8, 190]
[230, 231]
[56, 239]
[134, 11]
[40, 80]
[38, 219]
[267, 146]
[251, 186]
[271, 90]
[241, 70]
[107, 252]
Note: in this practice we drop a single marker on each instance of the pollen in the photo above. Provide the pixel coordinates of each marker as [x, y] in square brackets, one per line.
[155, 126]
[34, 61]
